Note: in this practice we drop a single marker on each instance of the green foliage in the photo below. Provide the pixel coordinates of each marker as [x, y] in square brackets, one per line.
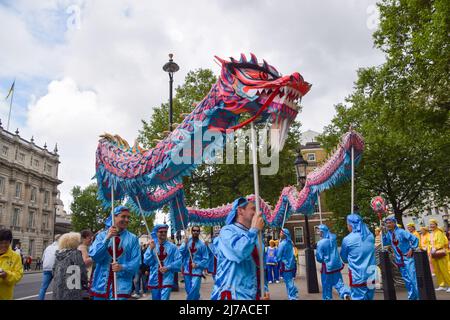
[88, 213]
[402, 110]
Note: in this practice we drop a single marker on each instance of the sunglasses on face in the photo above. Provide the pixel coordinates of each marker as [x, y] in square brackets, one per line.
[162, 231]
[195, 230]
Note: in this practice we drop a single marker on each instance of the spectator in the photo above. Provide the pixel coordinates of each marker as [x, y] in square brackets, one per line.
[11, 270]
[139, 279]
[48, 260]
[86, 240]
[439, 258]
[38, 264]
[18, 250]
[68, 265]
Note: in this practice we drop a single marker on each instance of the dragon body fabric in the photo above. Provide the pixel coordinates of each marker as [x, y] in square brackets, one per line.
[151, 179]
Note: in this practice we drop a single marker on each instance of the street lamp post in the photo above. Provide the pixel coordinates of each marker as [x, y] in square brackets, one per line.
[170, 67]
[311, 272]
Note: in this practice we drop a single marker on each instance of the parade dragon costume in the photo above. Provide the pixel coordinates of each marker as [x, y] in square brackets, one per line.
[151, 179]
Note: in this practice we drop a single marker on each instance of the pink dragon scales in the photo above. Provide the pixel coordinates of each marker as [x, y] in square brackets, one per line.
[154, 176]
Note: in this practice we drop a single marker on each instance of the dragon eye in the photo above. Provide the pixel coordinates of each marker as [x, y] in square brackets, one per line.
[257, 74]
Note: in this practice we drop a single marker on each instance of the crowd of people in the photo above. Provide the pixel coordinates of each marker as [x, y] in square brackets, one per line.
[81, 265]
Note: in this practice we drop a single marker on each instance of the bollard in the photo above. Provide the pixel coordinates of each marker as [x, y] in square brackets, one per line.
[423, 274]
[388, 276]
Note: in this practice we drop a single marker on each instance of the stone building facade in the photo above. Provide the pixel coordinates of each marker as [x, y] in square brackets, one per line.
[28, 191]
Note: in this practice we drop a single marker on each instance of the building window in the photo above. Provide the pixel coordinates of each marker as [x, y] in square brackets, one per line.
[311, 157]
[16, 217]
[5, 150]
[33, 194]
[31, 219]
[21, 157]
[298, 235]
[44, 221]
[18, 190]
[36, 163]
[48, 168]
[31, 248]
[2, 185]
[46, 198]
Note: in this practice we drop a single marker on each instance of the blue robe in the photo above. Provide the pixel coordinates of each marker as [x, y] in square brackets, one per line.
[161, 284]
[212, 260]
[285, 255]
[128, 255]
[193, 277]
[327, 254]
[236, 277]
[359, 253]
[403, 241]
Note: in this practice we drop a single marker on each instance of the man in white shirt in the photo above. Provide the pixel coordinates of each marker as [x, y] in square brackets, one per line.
[48, 260]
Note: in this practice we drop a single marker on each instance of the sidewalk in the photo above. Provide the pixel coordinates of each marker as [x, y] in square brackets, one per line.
[278, 290]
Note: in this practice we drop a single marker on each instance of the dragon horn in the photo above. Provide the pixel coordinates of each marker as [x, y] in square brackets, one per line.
[243, 58]
[253, 59]
[265, 64]
[222, 61]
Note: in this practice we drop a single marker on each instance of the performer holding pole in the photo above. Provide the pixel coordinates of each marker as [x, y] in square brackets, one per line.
[162, 278]
[122, 256]
[195, 259]
[148, 229]
[237, 277]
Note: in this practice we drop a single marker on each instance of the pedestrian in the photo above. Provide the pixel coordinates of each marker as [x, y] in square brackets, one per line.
[69, 271]
[87, 236]
[48, 260]
[358, 250]
[194, 256]
[327, 254]
[273, 274]
[237, 254]
[439, 258]
[11, 269]
[138, 280]
[128, 256]
[404, 244]
[164, 259]
[412, 229]
[38, 263]
[285, 256]
[18, 250]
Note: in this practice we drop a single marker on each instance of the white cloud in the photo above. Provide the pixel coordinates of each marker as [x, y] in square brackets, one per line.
[107, 75]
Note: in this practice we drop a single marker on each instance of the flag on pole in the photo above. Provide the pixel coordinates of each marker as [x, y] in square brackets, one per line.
[11, 90]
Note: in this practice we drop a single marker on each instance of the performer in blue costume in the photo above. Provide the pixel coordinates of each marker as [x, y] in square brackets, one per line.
[128, 258]
[285, 255]
[404, 244]
[358, 250]
[193, 263]
[327, 254]
[237, 254]
[212, 260]
[161, 276]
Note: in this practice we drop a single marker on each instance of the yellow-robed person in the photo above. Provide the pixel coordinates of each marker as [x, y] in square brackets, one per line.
[439, 258]
[412, 229]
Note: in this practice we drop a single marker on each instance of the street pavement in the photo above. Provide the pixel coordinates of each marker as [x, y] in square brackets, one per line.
[278, 290]
[28, 288]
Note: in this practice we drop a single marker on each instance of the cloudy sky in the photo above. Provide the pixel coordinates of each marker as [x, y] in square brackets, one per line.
[87, 67]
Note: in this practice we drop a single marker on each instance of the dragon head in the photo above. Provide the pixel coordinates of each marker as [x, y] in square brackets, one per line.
[257, 88]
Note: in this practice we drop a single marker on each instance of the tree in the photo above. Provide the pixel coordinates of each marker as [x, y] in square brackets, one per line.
[403, 117]
[88, 212]
[216, 184]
